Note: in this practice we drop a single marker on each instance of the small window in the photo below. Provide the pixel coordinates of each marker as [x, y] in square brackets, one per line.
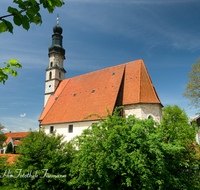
[51, 64]
[50, 75]
[51, 129]
[150, 116]
[60, 75]
[70, 129]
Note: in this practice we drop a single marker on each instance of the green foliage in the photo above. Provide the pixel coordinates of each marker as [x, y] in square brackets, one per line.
[3, 162]
[40, 153]
[2, 137]
[9, 149]
[27, 13]
[129, 153]
[175, 124]
[7, 70]
[192, 90]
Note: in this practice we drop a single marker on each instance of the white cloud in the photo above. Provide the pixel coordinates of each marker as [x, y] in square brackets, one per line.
[15, 124]
[23, 115]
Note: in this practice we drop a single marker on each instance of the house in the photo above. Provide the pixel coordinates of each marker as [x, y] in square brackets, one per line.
[14, 138]
[68, 101]
[197, 121]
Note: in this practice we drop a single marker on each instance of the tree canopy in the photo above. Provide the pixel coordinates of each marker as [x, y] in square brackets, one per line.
[115, 153]
[46, 157]
[129, 153]
[28, 12]
[192, 90]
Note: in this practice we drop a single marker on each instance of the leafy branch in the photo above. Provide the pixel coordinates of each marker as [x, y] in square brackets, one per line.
[7, 70]
[27, 13]
[31, 9]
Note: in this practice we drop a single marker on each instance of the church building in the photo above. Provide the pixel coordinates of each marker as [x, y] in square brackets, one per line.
[68, 101]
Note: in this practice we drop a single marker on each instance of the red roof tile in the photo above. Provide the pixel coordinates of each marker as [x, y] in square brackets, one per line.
[17, 142]
[11, 157]
[7, 140]
[75, 99]
[16, 134]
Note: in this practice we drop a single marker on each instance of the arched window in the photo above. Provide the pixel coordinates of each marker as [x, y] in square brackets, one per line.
[50, 75]
[51, 64]
[150, 116]
[60, 75]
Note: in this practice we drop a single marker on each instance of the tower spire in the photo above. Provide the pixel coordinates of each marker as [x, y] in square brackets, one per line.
[57, 19]
[55, 71]
[56, 46]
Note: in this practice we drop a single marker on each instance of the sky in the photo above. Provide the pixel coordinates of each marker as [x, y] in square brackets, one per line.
[98, 34]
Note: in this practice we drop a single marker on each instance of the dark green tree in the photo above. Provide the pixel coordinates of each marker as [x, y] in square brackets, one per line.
[129, 153]
[192, 90]
[9, 149]
[46, 159]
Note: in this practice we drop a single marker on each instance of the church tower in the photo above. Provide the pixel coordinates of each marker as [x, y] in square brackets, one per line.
[55, 71]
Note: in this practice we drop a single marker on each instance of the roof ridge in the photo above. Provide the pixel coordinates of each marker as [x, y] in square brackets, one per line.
[140, 68]
[106, 68]
[151, 83]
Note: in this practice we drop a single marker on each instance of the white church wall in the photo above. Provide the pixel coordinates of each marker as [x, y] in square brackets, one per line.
[63, 128]
[143, 110]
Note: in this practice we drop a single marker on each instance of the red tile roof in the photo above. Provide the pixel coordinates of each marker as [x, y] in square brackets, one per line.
[16, 134]
[11, 157]
[7, 140]
[17, 142]
[74, 100]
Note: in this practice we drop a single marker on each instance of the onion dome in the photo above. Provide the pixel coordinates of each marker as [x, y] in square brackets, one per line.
[56, 46]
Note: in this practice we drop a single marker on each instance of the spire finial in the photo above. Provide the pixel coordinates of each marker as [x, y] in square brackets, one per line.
[57, 19]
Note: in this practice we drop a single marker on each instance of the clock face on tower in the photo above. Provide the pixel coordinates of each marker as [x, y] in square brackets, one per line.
[50, 85]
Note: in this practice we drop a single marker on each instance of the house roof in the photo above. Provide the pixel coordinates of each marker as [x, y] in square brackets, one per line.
[17, 142]
[7, 140]
[16, 134]
[77, 97]
[11, 157]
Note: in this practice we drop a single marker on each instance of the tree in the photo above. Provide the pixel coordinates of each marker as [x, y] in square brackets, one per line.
[129, 153]
[192, 90]
[27, 13]
[45, 158]
[2, 129]
[9, 149]
[175, 124]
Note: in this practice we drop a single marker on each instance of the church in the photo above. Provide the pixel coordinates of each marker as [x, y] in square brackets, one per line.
[68, 101]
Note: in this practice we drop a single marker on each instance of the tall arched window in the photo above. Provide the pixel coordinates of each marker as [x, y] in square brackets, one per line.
[50, 75]
[51, 64]
[60, 75]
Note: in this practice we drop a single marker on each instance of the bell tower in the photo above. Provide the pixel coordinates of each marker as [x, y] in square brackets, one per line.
[55, 71]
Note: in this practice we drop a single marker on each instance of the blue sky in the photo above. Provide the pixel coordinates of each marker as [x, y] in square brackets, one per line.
[99, 34]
